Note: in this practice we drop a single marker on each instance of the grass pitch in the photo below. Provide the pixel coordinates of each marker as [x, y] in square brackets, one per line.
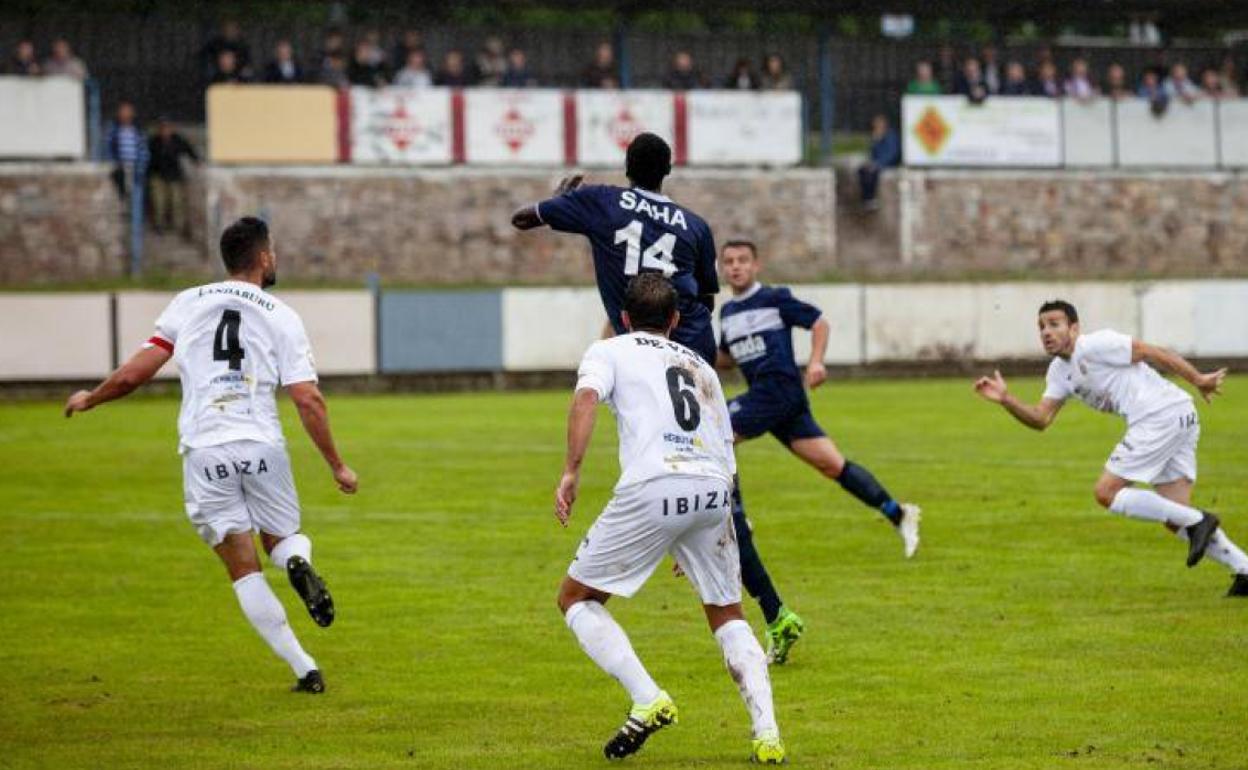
[1033, 630]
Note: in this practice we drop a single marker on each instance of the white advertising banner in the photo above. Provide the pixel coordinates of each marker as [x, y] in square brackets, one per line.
[1184, 136]
[606, 121]
[401, 125]
[43, 118]
[1088, 133]
[513, 125]
[1002, 131]
[1233, 114]
[727, 127]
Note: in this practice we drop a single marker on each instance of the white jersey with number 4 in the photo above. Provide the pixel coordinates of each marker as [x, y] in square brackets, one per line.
[1101, 375]
[234, 344]
[670, 409]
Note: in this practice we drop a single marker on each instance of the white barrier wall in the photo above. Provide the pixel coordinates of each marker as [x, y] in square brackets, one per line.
[403, 125]
[522, 126]
[54, 336]
[1088, 133]
[727, 128]
[1233, 132]
[1185, 136]
[43, 118]
[341, 326]
[532, 343]
[137, 312]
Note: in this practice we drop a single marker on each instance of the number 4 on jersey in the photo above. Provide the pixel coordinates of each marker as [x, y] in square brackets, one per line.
[225, 346]
[657, 256]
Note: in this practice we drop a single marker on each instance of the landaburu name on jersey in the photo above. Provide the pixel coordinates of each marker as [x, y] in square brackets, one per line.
[668, 215]
[250, 296]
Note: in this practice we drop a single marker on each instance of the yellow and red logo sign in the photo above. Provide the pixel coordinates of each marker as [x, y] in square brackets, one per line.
[932, 130]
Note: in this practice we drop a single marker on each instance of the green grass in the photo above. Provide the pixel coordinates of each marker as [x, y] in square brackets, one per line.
[1032, 631]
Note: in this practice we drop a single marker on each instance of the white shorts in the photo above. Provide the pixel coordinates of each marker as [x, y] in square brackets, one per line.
[239, 487]
[689, 517]
[1158, 449]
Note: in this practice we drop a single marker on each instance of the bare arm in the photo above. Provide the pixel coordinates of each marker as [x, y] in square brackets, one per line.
[1037, 417]
[724, 361]
[141, 367]
[816, 372]
[1208, 384]
[580, 429]
[526, 217]
[314, 414]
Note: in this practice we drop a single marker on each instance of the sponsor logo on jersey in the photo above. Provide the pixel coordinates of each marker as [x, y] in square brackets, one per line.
[748, 348]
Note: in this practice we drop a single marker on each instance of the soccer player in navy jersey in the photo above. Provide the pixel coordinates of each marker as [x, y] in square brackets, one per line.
[756, 326]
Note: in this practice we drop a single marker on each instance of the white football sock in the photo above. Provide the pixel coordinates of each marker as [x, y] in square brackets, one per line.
[748, 666]
[1150, 506]
[606, 644]
[1224, 551]
[268, 617]
[297, 544]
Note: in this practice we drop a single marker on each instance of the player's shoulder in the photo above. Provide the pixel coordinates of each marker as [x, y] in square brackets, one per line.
[1099, 339]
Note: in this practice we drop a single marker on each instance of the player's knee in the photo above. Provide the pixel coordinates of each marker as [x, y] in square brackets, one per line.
[1105, 494]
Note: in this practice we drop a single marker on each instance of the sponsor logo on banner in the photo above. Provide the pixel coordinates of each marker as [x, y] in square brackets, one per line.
[735, 128]
[953, 131]
[401, 125]
[514, 129]
[506, 126]
[608, 120]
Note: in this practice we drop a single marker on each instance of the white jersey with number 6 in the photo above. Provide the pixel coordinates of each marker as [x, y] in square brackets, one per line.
[670, 409]
[234, 345]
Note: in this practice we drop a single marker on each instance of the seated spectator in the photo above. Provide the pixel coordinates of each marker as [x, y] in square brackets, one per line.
[885, 153]
[991, 69]
[334, 71]
[63, 62]
[924, 81]
[1230, 78]
[1077, 85]
[491, 62]
[229, 38]
[167, 178]
[1047, 84]
[415, 72]
[517, 74]
[24, 61]
[1211, 84]
[601, 72]
[742, 77]
[970, 82]
[1016, 82]
[365, 68]
[683, 76]
[775, 76]
[1179, 85]
[227, 70]
[409, 41]
[283, 68]
[453, 72]
[1116, 82]
[125, 147]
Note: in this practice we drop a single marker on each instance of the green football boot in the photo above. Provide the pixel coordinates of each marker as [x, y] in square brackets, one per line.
[643, 721]
[768, 749]
[782, 634]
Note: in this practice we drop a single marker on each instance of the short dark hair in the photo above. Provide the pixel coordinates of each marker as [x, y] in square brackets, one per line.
[648, 160]
[1068, 309]
[241, 242]
[740, 243]
[650, 301]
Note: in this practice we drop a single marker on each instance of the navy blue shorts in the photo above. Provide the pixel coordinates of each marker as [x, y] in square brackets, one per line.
[764, 410]
[699, 337]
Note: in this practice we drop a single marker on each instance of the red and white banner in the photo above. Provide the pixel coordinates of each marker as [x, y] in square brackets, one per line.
[743, 127]
[520, 126]
[402, 125]
[606, 121]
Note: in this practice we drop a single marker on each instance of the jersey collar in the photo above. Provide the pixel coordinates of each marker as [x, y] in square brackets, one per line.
[750, 292]
[652, 195]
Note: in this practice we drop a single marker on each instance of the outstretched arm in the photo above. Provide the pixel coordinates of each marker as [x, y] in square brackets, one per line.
[1037, 417]
[816, 372]
[527, 218]
[724, 360]
[141, 367]
[1209, 384]
[580, 429]
[314, 414]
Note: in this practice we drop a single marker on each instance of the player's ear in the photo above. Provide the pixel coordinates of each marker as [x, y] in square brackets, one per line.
[628, 322]
[671, 326]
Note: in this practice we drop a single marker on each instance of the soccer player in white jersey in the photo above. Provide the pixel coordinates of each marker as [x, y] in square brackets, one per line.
[235, 345]
[674, 496]
[1111, 372]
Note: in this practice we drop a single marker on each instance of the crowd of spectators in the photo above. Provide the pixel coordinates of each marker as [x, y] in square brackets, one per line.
[59, 61]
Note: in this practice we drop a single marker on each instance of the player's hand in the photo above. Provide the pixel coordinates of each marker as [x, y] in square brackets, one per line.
[565, 496]
[569, 183]
[816, 373]
[992, 388]
[79, 402]
[1210, 384]
[348, 482]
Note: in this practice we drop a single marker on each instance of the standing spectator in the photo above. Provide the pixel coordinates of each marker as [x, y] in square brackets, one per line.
[1211, 84]
[1078, 86]
[415, 72]
[63, 62]
[126, 149]
[24, 61]
[491, 62]
[1230, 78]
[1179, 85]
[1048, 84]
[885, 153]
[683, 76]
[365, 68]
[1015, 83]
[283, 68]
[334, 71]
[227, 70]
[742, 77]
[991, 70]
[453, 72]
[924, 82]
[517, 74]
[410, 40]
[970, 82]
[601, 72]
[1150, 87]
[1116, 82]
[167, 148]
[375, 55]
[229, 38]
[776, 76]
[333, 44]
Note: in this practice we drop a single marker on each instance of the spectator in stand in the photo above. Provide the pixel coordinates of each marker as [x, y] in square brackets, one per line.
[333, 44]
[227, 70]
[1179, 85]
[415, 72]
[885, 153]
[453, 72]
[365, 69]
[742, 77]
[683, 76]
[167, 149]
[947, 69]
[410, 40]
[970, 82]
[375, 55]
[1116, 82]
[1048, 84]
[775, 76]
[924, 82]
[63, 62]
[1078, 85]
[1150, 87]
[125, 147]
[991, 69]
[491, 62]
[334, 71]
[283, 68]
[229, 38]
[1211, 84]
[1016, 83]
[601, 72]
[517, 74]
[1230, 78]
[24, 60]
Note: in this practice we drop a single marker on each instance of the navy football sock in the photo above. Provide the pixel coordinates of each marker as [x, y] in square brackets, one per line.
[859, 482]
[753, 574]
